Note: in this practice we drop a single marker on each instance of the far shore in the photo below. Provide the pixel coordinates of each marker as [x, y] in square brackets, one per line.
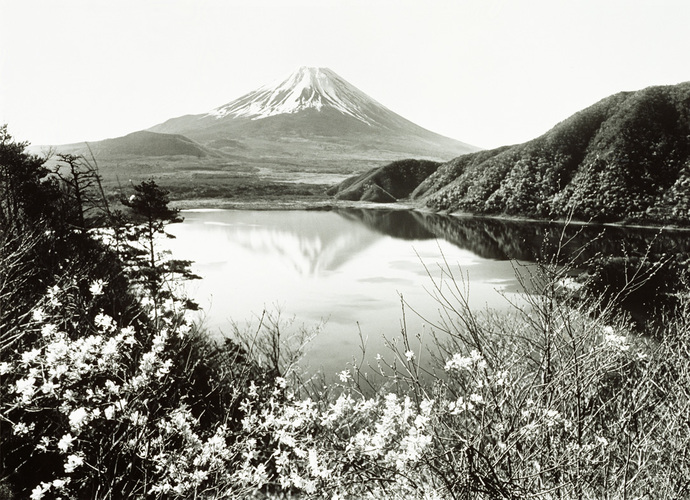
[328, 203]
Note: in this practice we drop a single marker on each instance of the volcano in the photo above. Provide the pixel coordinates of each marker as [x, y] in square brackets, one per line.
[310, 127]
[312, 115]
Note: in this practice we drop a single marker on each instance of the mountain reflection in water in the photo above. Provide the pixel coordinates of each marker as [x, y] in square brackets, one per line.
[348, 267]
[529, 241]
[307, 244]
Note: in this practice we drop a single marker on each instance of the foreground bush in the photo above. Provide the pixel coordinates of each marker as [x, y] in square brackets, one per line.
[119, 411]
[106, 391]
[549, 402]
[552, 401]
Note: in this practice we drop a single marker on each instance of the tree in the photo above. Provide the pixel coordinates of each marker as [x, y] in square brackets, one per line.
[80, 179]
[27, 193]
[31, 228]
[149, 209]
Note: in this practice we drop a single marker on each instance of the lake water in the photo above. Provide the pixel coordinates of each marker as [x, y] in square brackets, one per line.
[346, 269]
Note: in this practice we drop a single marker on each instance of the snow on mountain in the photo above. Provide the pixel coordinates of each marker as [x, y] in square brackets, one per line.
[313, 121]
[307, 88]
[313, 116]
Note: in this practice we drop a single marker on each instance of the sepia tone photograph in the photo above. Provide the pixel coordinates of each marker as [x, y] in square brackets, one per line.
[344, 249]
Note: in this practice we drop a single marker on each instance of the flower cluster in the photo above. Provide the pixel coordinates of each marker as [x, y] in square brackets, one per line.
[77, 399]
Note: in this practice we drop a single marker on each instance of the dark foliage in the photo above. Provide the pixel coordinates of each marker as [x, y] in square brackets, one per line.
[28, 195]
[626, 158]
[150, 211]
[42, 238]
[385, 184]
[58, 236]
[637, 284]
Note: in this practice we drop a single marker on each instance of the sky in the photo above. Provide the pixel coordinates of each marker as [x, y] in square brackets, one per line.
[485, 72]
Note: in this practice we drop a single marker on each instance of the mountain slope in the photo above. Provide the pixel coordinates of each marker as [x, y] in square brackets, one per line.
[142, 143]
[385, 184]
[320, 110]
[625, 157]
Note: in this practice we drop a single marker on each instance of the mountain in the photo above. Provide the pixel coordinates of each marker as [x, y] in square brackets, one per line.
[312, 116]
[627, 157]
[385, 184]
[142, 143]
[291, 138]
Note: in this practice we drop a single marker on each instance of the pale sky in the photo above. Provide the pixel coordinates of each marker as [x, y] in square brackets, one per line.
[486, 72]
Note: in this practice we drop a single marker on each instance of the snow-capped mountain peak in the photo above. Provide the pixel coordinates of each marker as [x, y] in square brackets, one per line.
[306, 88]
[312, 115]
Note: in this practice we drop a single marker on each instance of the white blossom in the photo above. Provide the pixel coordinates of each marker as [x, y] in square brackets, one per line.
[315, 469]
[77, 419]
[128, 335]
[49, 330]
[138, 418]
[96, 288]
[73, 461]
[104, 322]
[39, 491]
[109, 412]
[164, 369]
[59, 484]
[65, 443]
[253, 389]
[49, 387]
[53, 299]
[20, 429]
[500, 378]
[476, 398]
[112, 387]
[619, 342]
[43, 444]
[38, 315]
[460, 362]
[25, 388]
[31, 356]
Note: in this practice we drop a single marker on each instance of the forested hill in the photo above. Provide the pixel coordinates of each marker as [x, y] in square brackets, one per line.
[627, 157]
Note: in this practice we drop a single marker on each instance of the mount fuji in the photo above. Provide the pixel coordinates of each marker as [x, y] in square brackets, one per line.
[311, 116]
[310, 128]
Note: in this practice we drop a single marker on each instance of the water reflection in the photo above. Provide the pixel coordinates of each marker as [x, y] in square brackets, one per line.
[309, 244]
[349, 267]
[526, 241]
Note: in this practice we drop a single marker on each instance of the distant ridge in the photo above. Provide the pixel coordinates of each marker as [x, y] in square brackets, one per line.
[142, 143]
[385, 184]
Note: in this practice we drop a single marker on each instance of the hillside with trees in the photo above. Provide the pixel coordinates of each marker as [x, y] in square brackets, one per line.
[626, 158]
[385, 184]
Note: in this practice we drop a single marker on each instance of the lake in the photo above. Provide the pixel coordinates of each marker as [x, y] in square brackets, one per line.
[346, 269]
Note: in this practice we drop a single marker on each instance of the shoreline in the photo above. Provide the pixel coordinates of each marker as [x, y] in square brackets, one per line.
[327, 203]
